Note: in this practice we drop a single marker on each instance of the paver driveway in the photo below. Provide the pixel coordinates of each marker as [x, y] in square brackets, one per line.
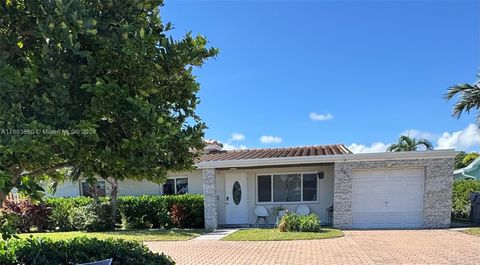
[356, 247]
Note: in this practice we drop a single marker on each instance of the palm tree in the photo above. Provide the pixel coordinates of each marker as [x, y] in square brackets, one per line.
[469, 98]
[406, 143]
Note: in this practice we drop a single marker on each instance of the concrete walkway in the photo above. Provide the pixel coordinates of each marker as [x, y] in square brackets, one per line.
[216, 235]
[356, 247]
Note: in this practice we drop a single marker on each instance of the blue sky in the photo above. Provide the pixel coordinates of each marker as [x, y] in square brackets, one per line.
[294, 73]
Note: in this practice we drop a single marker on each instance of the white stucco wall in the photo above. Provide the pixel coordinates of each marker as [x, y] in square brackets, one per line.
[325, 191]
[136, 188]
[67, 189]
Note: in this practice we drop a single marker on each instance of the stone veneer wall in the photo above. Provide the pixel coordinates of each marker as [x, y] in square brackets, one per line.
[209, 191]
[437, 196]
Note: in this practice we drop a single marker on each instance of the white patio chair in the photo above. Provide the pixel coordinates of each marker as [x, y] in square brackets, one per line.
[262, 213]
[303, 210]
[279, 217]
[100, 262]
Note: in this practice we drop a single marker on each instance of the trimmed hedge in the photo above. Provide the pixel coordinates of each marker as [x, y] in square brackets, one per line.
[461, 196]
[150, 211]
[78, 250]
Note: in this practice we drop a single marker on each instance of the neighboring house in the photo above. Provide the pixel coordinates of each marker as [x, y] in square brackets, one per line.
[472, 171]
[378, 190]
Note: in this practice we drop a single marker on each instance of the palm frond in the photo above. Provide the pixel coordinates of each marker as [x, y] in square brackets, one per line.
[469, 98]
[425, 143]
[392, 148]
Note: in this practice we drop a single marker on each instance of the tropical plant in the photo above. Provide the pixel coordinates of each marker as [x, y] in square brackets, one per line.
[406, 143]
[469, 158]
[292, 222]
[469, 98]
[32, 215]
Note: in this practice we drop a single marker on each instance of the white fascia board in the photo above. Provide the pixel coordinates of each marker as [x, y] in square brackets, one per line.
[449, 153]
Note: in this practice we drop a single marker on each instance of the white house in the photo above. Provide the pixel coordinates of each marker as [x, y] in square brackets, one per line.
[378, 190]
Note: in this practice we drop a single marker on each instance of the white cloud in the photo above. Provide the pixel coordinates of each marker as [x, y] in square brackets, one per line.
[420, 134]
[268, 139]
[375, 147]
[237, 137]
[320, 117]
[233, 147]
[460, 140]
[464, 139]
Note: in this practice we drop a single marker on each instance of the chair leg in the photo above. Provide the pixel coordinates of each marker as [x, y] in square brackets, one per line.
[256, 223]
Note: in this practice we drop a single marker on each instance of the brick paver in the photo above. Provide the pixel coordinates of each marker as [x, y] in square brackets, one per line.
[356, 247]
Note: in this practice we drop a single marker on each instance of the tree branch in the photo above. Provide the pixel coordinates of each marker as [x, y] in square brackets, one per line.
[42, 171]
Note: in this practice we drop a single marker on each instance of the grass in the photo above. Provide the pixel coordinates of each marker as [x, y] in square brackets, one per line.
[135, 235]
[473, 231]
[275, 235]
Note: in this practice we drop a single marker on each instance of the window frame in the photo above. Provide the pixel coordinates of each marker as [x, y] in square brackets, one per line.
[175, 185]
[97, 180]
[271, 202]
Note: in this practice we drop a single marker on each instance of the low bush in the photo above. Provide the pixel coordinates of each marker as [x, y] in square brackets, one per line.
[92, 217]
[292, 222]
[309, 223]
[461, 196]
[156, 211]
[143, 212]
[77, 250]
[32, 216]
[82, 213]
[61, 217]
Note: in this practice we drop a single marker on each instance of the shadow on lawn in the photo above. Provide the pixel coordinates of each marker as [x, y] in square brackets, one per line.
[153, 232]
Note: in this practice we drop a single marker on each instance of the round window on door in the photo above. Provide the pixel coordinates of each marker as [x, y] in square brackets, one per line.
[237, 193]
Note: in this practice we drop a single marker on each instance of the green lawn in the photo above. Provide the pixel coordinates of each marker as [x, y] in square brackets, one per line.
[473, 231]
[136, 235]
[275, 235]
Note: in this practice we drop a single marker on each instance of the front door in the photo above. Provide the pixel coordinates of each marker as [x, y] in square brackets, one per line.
[236, 202]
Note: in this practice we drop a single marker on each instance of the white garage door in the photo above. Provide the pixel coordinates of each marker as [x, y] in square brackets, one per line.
[390, 198]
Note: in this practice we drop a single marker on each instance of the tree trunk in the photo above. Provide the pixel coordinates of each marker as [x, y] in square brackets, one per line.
[113, 201]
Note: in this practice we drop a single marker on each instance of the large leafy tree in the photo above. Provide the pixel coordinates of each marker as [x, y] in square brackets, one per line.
[100, 87]
[406, 143]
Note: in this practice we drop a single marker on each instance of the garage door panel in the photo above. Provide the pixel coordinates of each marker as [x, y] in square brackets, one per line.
[387, 220]
[391, 198]
[368, 206]
[406, 172]
[413, 218]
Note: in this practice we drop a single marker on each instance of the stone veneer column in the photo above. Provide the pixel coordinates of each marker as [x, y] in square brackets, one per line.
[210, 194]
[342, 195]
[437, 203]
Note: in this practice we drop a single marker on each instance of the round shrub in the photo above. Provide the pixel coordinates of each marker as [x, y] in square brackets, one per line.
[292, 222]
[309, 223]
[77, 250]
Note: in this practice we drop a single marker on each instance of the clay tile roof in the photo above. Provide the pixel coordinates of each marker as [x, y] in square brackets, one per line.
[337, 149]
